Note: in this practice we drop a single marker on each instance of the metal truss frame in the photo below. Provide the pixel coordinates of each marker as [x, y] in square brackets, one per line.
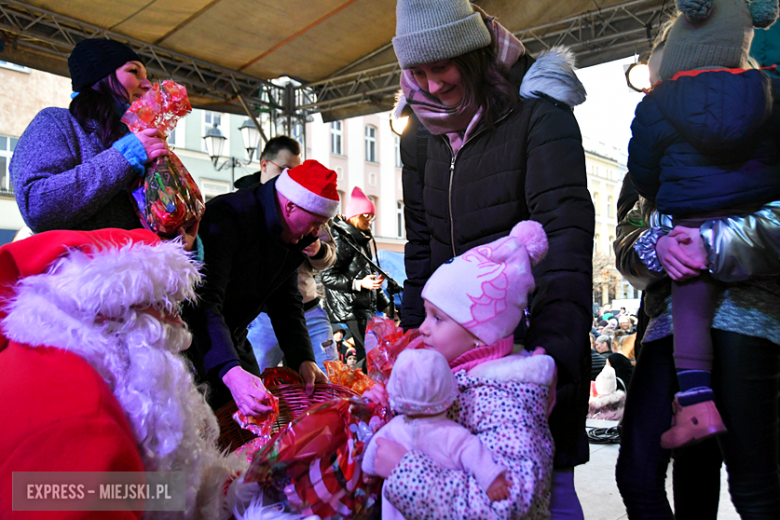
[54, 35]
[614, 32]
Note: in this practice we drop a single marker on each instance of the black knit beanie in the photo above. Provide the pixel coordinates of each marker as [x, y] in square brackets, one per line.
[95, 58]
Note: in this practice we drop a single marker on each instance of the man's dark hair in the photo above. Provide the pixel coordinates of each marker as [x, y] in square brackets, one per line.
[279, 143]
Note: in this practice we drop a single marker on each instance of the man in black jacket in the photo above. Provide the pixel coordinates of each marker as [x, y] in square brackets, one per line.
[253, 242]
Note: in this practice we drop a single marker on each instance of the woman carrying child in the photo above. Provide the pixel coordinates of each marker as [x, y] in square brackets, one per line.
[492, 141]
[710, 110]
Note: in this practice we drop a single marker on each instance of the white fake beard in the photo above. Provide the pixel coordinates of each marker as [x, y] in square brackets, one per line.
[174, 427]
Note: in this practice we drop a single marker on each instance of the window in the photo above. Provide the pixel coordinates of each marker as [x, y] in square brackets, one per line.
[297, 133]
[398, 163]
[399, 219]
[610, 206]
[596, 240]
[342, 201]
[376, 209]
[336, 135]
[610, 246]
[212, 118]
[213, 188]
[596, 203]
[13, 66]
[7, 145]
[222, 122]
[371, 143]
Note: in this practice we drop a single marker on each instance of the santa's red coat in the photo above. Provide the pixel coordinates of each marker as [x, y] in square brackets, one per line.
[58, 414]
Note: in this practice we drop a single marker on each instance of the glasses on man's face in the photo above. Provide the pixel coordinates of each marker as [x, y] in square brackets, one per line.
[278, 166]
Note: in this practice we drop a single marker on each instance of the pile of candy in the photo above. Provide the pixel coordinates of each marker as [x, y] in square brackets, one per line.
[167, 197]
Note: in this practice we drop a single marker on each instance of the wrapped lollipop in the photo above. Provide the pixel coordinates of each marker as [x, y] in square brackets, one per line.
[166, 197]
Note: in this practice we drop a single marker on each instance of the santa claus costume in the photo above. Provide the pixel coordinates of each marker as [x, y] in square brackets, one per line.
[92, 379]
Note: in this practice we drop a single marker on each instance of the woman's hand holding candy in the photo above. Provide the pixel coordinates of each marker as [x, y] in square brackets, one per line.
[154, 143]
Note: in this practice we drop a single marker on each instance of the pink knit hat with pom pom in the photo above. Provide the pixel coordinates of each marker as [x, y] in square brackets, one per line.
[486, 289]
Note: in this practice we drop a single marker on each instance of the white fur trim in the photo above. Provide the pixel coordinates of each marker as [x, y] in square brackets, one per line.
[252, 505]
[90, 305]
[553, 75]
[522, 367]
[308, 200]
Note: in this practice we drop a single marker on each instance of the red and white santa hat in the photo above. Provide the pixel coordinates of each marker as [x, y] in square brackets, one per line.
[102, 272]
[312, 187]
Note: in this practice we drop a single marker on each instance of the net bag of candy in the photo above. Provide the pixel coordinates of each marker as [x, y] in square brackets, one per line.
[166, 197]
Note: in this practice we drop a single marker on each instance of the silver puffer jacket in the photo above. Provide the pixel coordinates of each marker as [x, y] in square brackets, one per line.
[738, 248]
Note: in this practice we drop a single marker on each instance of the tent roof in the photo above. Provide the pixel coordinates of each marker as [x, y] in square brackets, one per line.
[307, 40]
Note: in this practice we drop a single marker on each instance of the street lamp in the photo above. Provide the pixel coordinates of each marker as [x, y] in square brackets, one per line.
[215, 141]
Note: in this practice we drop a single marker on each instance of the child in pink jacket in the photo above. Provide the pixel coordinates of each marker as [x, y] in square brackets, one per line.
[421, 389]
[473, 304]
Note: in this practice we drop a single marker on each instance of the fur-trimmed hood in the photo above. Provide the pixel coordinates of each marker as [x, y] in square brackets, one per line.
[552, 75]
[522, 368]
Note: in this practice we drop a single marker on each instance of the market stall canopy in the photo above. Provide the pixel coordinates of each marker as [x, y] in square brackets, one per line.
[337, 51]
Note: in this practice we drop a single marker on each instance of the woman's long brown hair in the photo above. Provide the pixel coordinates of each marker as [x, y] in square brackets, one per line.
[485, 83]
[98, 109]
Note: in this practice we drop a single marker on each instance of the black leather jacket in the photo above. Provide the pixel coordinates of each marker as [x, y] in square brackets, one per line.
[346, 300]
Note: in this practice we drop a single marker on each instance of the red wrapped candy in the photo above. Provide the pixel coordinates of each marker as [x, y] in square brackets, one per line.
[313, 464]
[166, 198]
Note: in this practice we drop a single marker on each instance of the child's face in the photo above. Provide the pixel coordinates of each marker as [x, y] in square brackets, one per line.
[351, 361]
[654, 65]
[338, 335]
[445, 335]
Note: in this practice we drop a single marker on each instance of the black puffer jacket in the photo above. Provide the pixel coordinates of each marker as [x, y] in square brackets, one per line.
[344, 302]
[531, 165]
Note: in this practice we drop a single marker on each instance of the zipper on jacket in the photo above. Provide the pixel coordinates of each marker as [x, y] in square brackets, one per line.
[449, 198]
[452, 176]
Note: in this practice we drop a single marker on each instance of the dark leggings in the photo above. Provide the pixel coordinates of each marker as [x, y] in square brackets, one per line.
[693, 307]
[746, 380]
[358, 329]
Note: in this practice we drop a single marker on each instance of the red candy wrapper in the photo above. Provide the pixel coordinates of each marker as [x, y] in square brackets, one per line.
[341, 374]
[312, 466]
[386, 341]
[167, 197]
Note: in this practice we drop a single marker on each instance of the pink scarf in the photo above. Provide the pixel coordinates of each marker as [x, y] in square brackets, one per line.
[476, 356]
[439, 118]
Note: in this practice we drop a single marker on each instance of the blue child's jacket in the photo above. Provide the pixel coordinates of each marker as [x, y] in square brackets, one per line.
[707, 141]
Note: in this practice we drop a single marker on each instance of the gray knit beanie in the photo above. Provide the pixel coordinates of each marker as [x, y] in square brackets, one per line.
[428, 31]
[714, 34]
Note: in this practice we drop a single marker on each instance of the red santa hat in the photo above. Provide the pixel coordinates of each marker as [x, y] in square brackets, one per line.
[312, 187]
[39, 253]
[359, 204]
